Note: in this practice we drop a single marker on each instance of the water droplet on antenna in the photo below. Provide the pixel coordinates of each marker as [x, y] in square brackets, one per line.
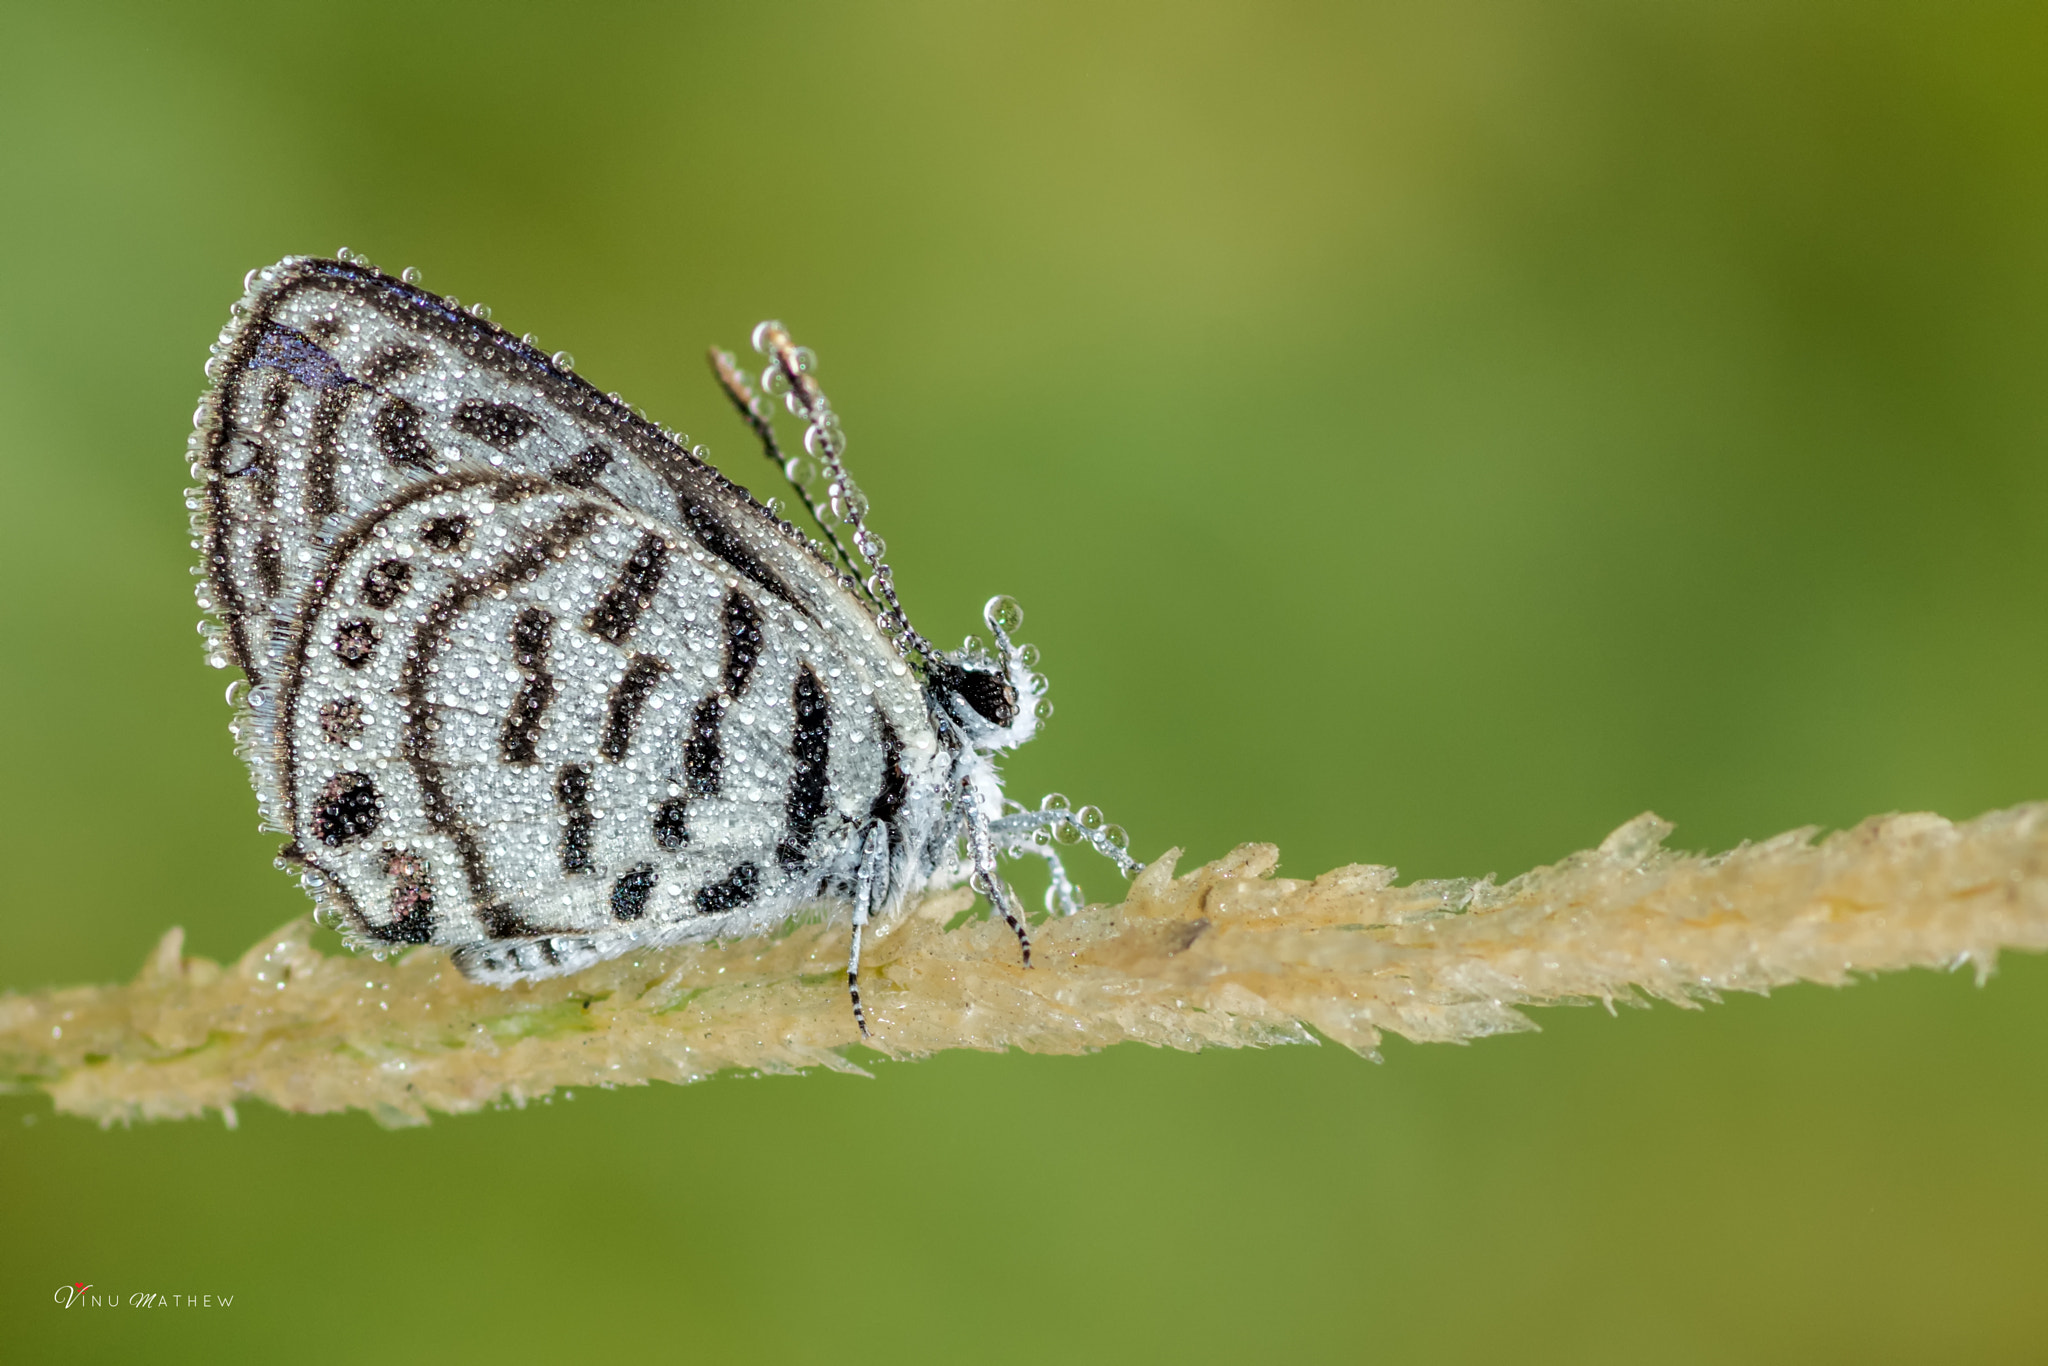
[1003, 613]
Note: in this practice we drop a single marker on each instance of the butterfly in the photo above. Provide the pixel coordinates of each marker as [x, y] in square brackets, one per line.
[528, 678]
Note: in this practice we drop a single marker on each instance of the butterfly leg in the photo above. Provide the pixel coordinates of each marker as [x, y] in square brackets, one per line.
[1066, 827]
[1063, 897]
[981, 845]
[874, 857]
[1013, 835]
[1034, 831]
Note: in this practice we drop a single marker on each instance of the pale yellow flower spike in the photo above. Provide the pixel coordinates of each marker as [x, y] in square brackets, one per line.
[1225, 956]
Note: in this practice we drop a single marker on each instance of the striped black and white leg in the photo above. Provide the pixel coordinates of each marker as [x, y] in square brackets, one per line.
[874, 866]
[981, 846]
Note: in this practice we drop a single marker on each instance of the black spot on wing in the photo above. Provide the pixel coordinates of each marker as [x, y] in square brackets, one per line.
[347, 808]
[572, 795]
[735, 890]
[402, 434]
[810, 750]
[672, 824]
[392, 362]
[386, 583]
[721, 540]
[630, 892]
[629, 697]
[520, 742]
[412, 900]
[324, 450]
[503, 425]
[618, 611]
[445, 533]
[703, 756]
[895, 788]
[276, 397]
[741, 621]
[582, 469]
[355, 642]
[531, 634]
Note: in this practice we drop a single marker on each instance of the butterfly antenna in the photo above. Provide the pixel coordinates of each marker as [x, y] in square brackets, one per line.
[756, 412]
[791, 373]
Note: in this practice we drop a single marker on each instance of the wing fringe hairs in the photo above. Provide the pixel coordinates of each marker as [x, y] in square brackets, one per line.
[1225, 956]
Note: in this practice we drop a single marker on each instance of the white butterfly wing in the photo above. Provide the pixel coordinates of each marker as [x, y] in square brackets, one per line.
[529, 679]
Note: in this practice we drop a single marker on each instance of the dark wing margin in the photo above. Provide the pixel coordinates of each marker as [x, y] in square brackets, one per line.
[260, 343]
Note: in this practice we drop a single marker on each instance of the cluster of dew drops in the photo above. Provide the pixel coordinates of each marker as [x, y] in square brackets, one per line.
[1006, 614]
[1083, 824]
[819, 476]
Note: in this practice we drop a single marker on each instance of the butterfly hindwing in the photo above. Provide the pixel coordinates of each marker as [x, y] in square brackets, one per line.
[530, 680]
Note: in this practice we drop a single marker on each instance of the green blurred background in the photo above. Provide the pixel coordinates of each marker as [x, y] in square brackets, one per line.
[1422, 434]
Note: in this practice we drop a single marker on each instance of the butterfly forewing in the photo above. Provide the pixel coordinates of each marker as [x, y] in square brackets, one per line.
[530, 679]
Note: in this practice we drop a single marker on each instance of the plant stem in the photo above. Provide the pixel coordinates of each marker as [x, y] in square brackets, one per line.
[1226, 956]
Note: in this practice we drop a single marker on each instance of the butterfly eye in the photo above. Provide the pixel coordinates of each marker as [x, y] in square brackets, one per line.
[988, 693]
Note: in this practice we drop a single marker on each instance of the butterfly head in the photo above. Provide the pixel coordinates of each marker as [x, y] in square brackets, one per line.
[995, 696]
